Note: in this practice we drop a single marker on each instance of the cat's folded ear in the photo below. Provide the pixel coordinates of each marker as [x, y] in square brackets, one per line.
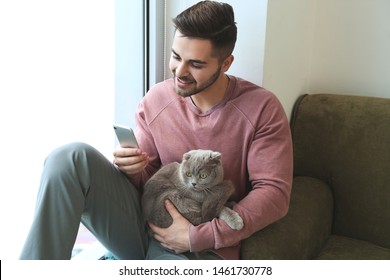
[215, 155]
[187, 155]
[205, 154]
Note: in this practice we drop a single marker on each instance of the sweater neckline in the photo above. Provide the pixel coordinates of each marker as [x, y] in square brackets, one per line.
[220, 104]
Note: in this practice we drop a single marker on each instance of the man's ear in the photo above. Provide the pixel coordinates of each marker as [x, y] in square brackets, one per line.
[227, 63]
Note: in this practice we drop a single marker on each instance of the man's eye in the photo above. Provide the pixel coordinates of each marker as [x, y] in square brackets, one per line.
[196, 65]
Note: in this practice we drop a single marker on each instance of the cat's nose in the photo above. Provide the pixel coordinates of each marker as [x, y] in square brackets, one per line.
[193, 184]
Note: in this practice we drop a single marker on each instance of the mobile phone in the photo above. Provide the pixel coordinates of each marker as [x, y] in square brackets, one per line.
[125, 136]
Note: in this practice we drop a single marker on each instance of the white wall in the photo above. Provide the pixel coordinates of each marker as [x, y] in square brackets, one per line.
[351, 47]
[334, 46]
[288, 49]
[310, 46]
[57, 85]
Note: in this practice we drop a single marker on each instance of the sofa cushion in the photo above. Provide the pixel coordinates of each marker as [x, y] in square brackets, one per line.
[345, 141]
[344, 248]
[302, 232]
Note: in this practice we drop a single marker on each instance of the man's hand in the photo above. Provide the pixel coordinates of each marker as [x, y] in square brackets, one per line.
[175, 237]
[130, 160]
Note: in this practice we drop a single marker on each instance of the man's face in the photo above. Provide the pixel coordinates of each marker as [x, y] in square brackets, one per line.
[193, 67]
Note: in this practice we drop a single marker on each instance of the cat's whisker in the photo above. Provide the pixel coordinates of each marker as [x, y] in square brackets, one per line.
[207, 190]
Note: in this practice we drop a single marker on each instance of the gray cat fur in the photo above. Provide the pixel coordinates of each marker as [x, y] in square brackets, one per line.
[198, 199]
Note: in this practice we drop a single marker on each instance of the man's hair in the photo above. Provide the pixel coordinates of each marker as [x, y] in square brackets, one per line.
[210, 20]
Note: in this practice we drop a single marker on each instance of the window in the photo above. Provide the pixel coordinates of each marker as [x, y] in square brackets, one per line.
[130, 85]
[57, 73]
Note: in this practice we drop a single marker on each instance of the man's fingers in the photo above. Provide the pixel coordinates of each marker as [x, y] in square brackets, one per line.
[171, 209]
[130, 160]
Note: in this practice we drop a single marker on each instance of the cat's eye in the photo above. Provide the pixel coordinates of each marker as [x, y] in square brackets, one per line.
[203, 176]
[188, 174]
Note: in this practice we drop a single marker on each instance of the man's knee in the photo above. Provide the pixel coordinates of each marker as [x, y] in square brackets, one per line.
[68, 157]
[72, 148]
[71, 151]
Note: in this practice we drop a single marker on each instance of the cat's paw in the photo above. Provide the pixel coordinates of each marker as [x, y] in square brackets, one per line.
[232, 218]
[237, 223]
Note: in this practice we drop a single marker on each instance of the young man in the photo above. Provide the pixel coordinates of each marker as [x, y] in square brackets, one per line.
[200, 108]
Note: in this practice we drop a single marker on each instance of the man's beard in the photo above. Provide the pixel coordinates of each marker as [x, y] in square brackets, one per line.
[198, 88]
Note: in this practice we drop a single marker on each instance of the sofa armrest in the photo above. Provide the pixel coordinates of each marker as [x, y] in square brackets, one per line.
[302, 232]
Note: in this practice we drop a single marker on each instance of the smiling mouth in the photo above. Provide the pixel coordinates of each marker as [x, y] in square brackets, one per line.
[181, 81]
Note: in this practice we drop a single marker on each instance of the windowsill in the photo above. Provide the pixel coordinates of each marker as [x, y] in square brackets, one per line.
[87, 247]
[94, 251]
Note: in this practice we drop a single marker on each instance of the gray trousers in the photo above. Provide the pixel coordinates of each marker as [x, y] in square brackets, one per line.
[79, 184]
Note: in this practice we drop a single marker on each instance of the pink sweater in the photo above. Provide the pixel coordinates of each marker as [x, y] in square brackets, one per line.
[249, 128]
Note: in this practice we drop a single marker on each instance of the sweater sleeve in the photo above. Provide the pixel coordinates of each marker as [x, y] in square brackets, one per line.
[145, 140]
[269, 166]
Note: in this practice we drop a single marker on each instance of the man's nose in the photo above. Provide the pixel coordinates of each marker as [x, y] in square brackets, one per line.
[181, 70]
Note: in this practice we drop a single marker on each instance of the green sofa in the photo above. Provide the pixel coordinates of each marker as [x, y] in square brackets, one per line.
[340, 201]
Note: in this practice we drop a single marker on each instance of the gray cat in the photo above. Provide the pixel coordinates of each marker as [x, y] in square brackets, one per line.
[195, 186]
